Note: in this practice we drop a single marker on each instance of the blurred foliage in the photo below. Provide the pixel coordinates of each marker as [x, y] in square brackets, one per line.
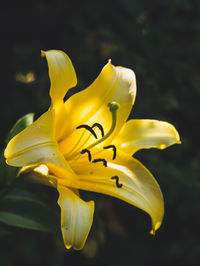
[160, 40]
[21, 124]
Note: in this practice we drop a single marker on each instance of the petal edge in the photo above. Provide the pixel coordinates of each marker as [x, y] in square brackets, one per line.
[135, 184]
[76, 218]
[62, 74]
[139, 134]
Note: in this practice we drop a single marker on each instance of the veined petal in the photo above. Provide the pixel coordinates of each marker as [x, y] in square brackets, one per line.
[62, 74]
[90, 105]
[36, 145]
[124, 178]
[76, 218]
[144, 134]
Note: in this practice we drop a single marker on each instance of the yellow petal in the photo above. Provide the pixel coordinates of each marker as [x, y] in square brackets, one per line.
[39, 174]
[90, 105]
[36, 145]
[135, 184]
[144, 134]
[62, 74]
[76, 218]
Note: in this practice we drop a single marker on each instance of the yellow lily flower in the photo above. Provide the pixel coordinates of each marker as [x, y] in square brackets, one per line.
[85, 143]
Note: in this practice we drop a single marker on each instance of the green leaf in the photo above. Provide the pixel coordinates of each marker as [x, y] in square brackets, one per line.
[17, 194]
[7, 173]
[23, 209]
[21, 124]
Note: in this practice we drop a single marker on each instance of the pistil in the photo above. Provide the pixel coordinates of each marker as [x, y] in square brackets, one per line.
[114, 106]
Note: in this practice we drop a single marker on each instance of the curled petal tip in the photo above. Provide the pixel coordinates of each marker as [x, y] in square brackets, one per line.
[155, 228]
[163, 146]
[178, 141]
[43, 53]
[152, 232]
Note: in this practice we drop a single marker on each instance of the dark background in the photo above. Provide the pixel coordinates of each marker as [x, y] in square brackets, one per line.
[160, 41]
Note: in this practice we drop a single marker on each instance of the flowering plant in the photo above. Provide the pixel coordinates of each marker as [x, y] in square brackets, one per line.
[87, 143]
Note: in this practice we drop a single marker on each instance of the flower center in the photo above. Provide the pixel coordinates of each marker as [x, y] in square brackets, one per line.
[113, 106]
[113, 109]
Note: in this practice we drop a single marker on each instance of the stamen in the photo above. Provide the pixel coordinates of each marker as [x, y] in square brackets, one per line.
[114, 106]
[89, 154]
[89, 129]
[117, 181]
[114, 150]
[100, 160]
[100, 128]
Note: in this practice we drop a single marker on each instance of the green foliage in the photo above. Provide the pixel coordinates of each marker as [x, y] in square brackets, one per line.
[21, 124]
[24, 209]
[8, 173]
[19, 207]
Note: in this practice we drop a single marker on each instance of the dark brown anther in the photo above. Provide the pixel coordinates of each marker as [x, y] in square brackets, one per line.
[99, 127]
[100, 160]
[114, 150]
[89, 129]
[89, 154]
[117, 181]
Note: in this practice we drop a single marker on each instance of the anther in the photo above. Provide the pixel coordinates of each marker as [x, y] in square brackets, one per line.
[114, 150]
[100, 160]
[89, 154]
[114, 106]
[99, 127]
[89, 129]
[117, 181]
